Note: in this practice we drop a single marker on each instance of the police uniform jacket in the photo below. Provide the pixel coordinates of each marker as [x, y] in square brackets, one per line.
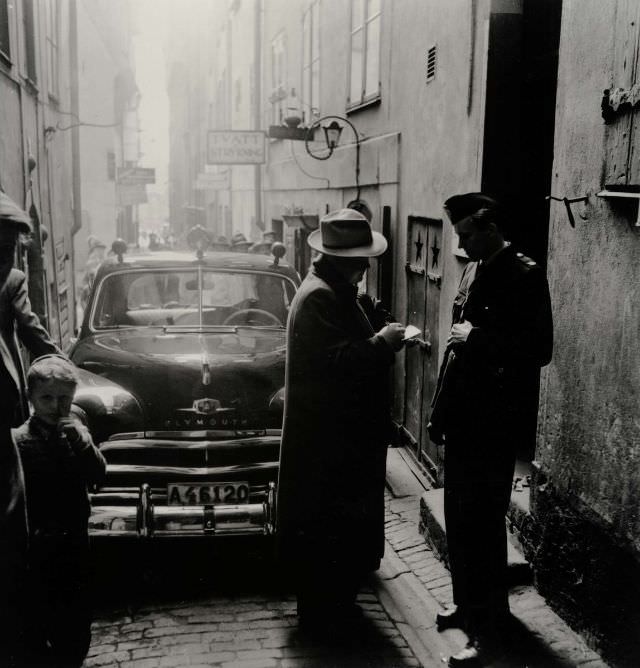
[336, 424]
[492, 377]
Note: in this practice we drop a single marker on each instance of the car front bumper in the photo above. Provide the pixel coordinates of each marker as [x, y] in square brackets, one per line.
[143, 519]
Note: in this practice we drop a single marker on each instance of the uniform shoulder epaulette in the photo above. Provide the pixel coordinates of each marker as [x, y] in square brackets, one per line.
[527, 261]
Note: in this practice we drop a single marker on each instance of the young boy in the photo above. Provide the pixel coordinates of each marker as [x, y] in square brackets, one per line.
[59, 461]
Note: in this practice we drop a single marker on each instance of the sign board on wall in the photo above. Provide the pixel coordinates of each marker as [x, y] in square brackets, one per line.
[129, 195]
[212, 181]
[133, 176]
[236, 147]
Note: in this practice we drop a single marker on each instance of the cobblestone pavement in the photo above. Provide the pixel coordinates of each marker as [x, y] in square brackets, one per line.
[541, 638]
[246, 619]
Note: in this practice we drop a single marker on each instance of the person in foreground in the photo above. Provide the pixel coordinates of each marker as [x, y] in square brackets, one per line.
[330, 505]
[59, 462]
[17, 322]
[501, 335]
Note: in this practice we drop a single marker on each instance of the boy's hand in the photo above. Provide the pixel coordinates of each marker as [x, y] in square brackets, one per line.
[73, 431]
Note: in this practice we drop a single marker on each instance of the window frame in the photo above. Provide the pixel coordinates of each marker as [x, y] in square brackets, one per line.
[30, 41]
[310, 106]
[279, 79]
[52, 41]
[365, 98]
[5, 32]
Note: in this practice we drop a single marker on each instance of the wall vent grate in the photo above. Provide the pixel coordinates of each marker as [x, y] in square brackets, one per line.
[432, 60]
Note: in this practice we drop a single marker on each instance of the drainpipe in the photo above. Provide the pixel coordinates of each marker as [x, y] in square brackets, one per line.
[257, 104]
[75, 148]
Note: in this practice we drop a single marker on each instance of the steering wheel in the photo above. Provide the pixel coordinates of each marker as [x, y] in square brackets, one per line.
[244, 315]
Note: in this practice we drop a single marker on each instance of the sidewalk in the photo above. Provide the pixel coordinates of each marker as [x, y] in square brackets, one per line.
[413, 584]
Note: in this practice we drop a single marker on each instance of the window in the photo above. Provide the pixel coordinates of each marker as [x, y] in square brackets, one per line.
[278, 78]
[53, 30]
[311, 63]
[4, 28]
[365, 52]
[29, 40]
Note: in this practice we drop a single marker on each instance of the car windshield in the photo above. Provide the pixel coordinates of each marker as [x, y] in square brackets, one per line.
[171, 297]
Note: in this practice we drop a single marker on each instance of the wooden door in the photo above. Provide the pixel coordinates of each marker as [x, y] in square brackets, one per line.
[423, 284]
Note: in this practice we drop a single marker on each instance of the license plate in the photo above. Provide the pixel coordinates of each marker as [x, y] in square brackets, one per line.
[207, 494]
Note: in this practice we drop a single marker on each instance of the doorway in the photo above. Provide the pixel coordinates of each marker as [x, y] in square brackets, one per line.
[423, 308]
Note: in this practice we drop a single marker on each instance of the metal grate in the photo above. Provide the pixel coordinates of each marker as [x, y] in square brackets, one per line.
[432, 59]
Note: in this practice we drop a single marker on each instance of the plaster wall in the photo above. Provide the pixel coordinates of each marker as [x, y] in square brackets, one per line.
[584, 537]
[589, 432]
[419, 144]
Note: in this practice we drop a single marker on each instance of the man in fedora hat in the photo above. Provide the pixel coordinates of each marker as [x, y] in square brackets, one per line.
[264, 247]
[501, 335]
[95, 257]
[16, 321]
[336, 430]
[240, 243]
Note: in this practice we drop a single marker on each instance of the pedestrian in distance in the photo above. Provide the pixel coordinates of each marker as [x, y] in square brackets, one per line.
[240, 243]
[96, 256]
[221, 244]
[501, 336]
[264, 247]
[60, 461]
[337, 426]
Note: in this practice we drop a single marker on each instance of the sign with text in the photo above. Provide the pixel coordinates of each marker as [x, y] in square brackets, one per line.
[134, 176]
[236, 147]
[130, 195]
[212, 181]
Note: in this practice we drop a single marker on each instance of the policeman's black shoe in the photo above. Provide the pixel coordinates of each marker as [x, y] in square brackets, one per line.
[468, 657]
[451, 618]
[477, 654]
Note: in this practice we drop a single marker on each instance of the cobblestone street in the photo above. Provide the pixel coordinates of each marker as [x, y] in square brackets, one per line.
[186, 614]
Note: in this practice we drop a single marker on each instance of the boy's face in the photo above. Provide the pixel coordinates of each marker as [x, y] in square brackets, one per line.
[51, 400]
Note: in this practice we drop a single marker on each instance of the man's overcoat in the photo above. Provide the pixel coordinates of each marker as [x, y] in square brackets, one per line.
[17, 321]
[336, 425]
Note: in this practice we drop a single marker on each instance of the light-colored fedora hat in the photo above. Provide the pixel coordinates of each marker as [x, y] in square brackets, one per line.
[347, 233]
[11, 213]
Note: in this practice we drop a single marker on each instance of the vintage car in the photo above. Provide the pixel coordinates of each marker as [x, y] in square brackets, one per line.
[181, 357]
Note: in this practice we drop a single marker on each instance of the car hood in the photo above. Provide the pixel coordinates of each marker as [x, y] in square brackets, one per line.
[167, 371]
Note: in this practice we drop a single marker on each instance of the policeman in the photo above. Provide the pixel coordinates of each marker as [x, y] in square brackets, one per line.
[500, 337]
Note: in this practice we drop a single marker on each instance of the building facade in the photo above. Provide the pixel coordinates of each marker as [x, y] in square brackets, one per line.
[52, 100]
[585, 529]
[442, 97]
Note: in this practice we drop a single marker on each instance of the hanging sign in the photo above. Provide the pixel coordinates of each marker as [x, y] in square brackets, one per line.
[236, 147]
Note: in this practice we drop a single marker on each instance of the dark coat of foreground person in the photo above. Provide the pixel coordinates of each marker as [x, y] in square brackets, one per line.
[501, 335]
[335, 435]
